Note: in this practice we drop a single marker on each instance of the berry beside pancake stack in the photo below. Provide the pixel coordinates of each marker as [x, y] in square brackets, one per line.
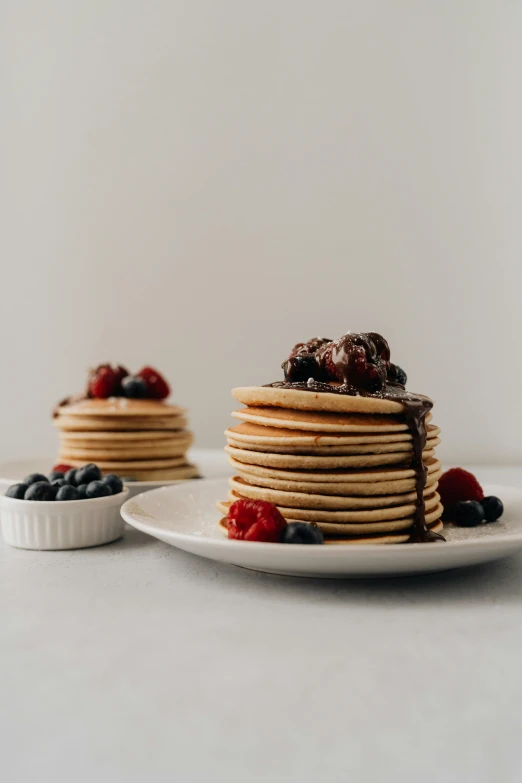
[340, 443]
[123, 424]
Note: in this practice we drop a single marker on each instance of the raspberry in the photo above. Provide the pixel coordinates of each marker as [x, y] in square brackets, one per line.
[61, 468]
[455, 486]
[157, 386]
[104, 381]
[255, 520]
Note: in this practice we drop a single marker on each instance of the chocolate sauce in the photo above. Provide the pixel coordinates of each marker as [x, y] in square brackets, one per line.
[355, 374]
[416, 408]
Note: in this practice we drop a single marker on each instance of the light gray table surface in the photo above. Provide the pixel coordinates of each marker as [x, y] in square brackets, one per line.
[139, 662]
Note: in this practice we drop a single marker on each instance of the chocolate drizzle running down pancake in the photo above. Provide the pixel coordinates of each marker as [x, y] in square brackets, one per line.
[358, 364]
[415, 411]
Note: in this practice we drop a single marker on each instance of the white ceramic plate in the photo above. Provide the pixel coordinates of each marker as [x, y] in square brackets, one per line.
[211, 462]
[186, 517]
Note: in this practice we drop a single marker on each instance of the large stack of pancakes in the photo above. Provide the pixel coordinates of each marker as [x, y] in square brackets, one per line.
[343, 462]
[144, 440]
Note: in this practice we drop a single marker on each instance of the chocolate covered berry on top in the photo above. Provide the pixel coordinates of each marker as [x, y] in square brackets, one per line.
[357, 361]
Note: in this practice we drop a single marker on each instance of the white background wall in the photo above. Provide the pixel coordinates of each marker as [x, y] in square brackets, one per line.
[199, 184]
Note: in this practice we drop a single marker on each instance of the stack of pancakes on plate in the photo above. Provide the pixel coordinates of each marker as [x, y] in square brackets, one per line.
[145, 440]
[343, 462]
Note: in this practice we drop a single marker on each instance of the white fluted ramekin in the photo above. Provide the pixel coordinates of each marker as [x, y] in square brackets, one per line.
[61, 524]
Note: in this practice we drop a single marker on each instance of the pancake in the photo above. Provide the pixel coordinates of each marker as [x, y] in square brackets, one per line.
[108, 449]
[161, 450]
[127, 467]
[258, 434]
[186, 471]
[312, 513]
[381, 484]
[339, 475]
[338, 450]
[324, 421]
[326, 502]
[436, 527]
[118, 423]
[120, 407]
[124, 437]
[298, 399]
[319, 462]
[346, 490]
[144, 439]
[338, 518]
[376, 533]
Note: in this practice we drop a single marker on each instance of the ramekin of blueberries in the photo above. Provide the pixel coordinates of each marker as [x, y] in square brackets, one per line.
[71, 508]
[66, 483]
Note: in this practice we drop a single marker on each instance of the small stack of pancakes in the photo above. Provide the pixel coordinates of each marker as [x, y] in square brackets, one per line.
[342, 462]
[144, 440]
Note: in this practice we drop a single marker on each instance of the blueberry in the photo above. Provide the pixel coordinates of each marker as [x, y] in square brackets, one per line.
[34, 477]
[396, 374]
[299, 368]
[302, 533]
[40, 490]
[88, 473]
[132, 386]
[68, 492]
[59, 482]
[56, 474]
[97, 489]
[114, 482]
[17, 491]
[493, 508]
[70, 477]
[82, 491]
[468, 513]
